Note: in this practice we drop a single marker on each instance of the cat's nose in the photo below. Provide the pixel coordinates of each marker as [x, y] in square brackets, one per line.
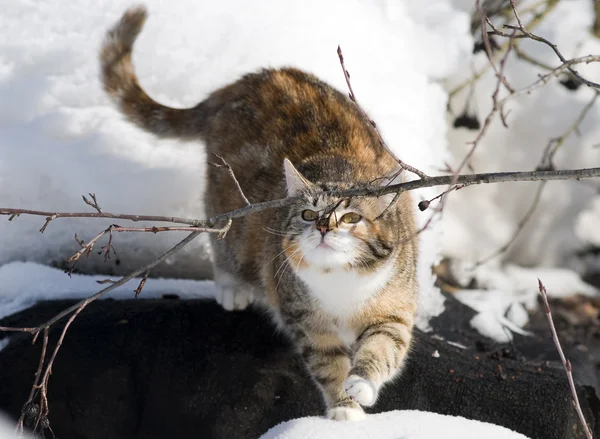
[323, 229]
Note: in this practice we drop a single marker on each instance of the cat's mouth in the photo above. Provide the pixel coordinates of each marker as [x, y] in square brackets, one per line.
[324, 245]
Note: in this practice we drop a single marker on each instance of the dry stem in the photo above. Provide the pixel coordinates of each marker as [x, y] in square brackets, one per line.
[554, 48]
[352, 96]
[566, 363]
[364, 191]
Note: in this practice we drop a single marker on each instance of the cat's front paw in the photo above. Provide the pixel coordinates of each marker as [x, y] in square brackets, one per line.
[361, 390]
[346, 414]
[234, 297]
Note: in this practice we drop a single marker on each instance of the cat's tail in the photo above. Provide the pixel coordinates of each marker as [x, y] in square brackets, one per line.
[121, 83]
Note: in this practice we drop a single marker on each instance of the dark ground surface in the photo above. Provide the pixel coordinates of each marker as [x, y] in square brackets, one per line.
[178, 369]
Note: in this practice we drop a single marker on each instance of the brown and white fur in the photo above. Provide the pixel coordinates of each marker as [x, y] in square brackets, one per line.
[342, 287]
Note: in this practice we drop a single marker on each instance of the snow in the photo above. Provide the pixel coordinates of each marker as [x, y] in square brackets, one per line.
[481, 219]
[7, 429]
[22, 284]
[408, 424]
[61, 137]
[508, 293]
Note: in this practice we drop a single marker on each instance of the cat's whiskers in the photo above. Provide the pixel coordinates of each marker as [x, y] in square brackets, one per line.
[285, 265]
[286, 261]
[282, 251]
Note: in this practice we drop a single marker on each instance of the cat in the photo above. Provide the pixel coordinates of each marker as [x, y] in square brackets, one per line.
[338, 280]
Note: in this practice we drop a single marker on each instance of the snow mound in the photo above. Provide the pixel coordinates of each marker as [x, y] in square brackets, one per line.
[507, 293]
[22, 284]
[408, 424]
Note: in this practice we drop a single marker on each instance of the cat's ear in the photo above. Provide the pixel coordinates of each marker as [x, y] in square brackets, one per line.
[295, 182]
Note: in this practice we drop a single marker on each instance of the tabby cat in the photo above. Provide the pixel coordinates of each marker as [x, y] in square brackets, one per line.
[340, 281]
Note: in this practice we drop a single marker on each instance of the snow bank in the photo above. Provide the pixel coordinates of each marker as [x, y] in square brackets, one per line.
[61, 137]
[22, 284]
[481, 219]
[7, 428]
[407, 424]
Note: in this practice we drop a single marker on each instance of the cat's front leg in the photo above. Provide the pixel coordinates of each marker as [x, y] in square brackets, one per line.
[329, 367]
[379, 354]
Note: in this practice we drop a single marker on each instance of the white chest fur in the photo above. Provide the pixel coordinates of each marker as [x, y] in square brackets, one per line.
[342, 292]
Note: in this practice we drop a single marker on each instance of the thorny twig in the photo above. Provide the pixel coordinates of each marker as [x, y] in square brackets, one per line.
[566, 363]
[352, 96]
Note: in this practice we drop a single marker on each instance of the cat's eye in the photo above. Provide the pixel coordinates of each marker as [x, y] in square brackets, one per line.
[309, 215]
[351, 218]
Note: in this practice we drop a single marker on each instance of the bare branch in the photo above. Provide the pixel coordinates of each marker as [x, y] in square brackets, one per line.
[352, 96]
[364, 191]
[93, 203]
[142, 283]
[497, 106]
[520, 226]
[555, 143]
[54, 215]
[554, 48]
[232, 175]
[537, 18]
[566, 363]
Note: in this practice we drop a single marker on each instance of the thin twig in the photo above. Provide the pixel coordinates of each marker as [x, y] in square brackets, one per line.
[497, 105]
[363, 191]
[54, 215]
[221, 231]
[537, 19]
[555, 143]
[566, 363]
[36, 382]
[554, 48]
[232, 175]
[352, 96]
[93, 203]
[141, 285]
[87, 248]
[520, 226]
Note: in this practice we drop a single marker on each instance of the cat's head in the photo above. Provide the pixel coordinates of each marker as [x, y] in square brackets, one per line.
[329, 232]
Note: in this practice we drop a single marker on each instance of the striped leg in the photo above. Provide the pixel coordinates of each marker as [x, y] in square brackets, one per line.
[329, 367]
[379, 354]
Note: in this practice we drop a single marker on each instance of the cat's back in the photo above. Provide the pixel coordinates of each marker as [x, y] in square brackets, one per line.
[274, 114]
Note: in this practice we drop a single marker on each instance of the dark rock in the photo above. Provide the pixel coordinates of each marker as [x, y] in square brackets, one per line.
[175, 369]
